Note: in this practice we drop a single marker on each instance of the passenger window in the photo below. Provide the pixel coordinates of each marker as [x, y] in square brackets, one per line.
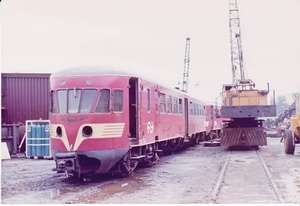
[87, 100]
[148, 100]
[169, 104]
[180, 106]
[103, 102]
[118, 100]
[162, 103]
[175, 105]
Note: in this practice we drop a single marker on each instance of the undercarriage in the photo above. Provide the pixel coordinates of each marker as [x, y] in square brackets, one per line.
[243, 132]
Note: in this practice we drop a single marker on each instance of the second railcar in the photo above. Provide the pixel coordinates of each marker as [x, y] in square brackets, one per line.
[213, 122]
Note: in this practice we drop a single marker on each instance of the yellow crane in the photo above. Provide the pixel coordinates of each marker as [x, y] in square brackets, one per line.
[242, 104]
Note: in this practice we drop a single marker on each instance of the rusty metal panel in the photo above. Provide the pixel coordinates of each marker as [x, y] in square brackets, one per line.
[244, 136]
[24, 96]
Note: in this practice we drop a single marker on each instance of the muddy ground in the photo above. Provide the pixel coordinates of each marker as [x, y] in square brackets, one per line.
[188, 176]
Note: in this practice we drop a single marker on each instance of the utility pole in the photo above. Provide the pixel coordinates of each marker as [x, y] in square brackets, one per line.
[186, 66]
[235, 42]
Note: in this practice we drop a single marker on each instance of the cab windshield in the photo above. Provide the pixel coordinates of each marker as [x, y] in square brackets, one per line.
[73, 101]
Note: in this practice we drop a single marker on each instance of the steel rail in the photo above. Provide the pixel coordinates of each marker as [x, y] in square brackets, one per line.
[270, 177]
[220, 178]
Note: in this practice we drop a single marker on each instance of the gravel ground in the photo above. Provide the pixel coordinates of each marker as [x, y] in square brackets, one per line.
[188, 176]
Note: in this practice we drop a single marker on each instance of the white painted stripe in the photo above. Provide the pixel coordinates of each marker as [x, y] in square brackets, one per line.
[63, 138]
[112, 133]
[108, 130]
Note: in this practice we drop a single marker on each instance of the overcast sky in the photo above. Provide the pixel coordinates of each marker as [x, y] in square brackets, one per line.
[149, 37]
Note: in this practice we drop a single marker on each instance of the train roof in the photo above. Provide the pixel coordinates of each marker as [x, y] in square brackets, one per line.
[107, 70]
[91, 70]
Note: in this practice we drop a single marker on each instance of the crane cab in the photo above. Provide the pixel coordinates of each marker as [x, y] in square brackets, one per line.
[241, 107]
[242, 100]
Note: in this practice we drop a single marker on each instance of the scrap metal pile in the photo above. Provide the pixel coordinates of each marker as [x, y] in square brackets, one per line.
[283, 121]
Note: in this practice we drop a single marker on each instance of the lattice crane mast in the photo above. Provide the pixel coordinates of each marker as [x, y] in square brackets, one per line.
[185, 81]
[235, 42]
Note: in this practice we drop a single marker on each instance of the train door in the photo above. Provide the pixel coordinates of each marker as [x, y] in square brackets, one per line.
[133, 107]
[186, 116]
[157, 110]
[212, 117]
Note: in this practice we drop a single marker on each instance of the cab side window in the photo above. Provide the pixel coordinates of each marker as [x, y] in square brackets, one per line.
[118, 100]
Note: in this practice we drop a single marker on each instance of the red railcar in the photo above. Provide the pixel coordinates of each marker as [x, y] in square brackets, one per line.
[108, 121]
[213, 122]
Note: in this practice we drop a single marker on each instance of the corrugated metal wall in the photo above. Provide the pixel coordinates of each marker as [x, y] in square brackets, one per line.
[25, 96]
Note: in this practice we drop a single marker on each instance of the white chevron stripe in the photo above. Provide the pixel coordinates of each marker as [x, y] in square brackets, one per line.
[63, 138]
[108, 130]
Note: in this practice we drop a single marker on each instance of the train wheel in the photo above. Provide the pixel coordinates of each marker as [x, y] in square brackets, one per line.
[150, 160]
[213, 135]
[197, 139]
[128, 165]
[289, 146]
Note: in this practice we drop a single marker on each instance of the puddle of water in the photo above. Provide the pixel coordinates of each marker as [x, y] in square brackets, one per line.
[127, 186]
[297, 183]
[246, 160]
[281, 155]
[239, 161]
[56, 193]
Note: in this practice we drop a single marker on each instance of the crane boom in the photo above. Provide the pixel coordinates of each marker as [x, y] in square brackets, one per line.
[235, 42]
[186, 66]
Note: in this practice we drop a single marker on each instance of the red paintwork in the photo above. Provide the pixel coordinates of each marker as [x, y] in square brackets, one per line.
[214, 122]
[73, 125]
[166, 126]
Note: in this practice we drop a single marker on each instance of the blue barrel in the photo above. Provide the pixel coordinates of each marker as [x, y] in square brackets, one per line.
[33, 141]
[47, 140]
[38, 141]
[28, 150]
[43, 141]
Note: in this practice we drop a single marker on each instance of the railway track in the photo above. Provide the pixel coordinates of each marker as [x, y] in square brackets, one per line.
[254, 183]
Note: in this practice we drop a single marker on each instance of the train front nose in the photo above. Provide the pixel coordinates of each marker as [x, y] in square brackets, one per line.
[83, 147]
[72, 163]
[69, 157]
